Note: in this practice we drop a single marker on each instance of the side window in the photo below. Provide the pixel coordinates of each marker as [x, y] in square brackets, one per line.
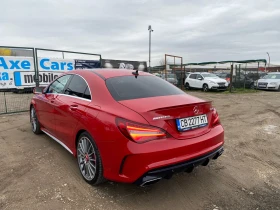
[199, 76]
[77, 87]
[193, 76]
[58, 85]
[87, 94]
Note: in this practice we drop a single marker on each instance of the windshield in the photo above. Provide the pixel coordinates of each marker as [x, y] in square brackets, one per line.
[209, 75]
[129, 87]
[173, 76]
[272, 76]
[223, 75]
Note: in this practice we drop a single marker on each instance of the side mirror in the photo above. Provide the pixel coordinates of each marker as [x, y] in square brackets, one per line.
[38, 90]
[200, 78]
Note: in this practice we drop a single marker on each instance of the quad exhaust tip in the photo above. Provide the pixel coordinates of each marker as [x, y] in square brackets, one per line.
[151, 181]
[154, 178]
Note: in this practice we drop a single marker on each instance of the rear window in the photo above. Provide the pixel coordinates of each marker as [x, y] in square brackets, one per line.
[129, 87]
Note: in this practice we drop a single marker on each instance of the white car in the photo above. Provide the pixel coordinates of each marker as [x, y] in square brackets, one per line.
[271, 81]
[205, 81]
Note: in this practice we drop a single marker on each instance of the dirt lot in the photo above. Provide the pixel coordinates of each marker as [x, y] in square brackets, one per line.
[37, 173]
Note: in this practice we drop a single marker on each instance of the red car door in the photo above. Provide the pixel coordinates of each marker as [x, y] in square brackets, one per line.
[45, 110]
[69, 108]
[45, 107]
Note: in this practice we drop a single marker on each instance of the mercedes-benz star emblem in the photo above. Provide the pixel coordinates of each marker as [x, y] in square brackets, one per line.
[195, 110]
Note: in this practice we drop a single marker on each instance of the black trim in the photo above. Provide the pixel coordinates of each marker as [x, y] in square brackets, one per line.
[168, 171]
[122, 165]
[101, 76]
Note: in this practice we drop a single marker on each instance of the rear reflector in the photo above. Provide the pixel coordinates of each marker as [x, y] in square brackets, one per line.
[138, 132]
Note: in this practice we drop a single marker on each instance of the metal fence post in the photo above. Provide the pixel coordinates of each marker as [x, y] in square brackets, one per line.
[36, 69]
[5, 102]
[231, 72]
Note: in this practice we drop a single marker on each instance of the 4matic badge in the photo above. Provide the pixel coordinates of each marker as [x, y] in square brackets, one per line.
[161, 117]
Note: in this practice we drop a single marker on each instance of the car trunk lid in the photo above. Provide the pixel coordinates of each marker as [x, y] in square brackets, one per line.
[164, 110]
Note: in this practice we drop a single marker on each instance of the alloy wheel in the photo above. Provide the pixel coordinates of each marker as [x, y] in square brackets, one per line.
[86, 158]
[33, 118]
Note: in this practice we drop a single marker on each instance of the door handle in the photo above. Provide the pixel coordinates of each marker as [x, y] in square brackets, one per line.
[52, 101]
[73, 107]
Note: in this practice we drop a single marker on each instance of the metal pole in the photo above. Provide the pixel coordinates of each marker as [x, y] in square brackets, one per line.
[235, 76]
[63, 55]
[149, 51]
[258, 69]
[184, 75]
[182, 78]
[268, 59]
[165, 68]
[245, 76]
[5, 102]
[231, 72]
[36, 69]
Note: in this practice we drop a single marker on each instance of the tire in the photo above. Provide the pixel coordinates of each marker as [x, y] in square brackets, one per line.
[36, 128]
[89, 160]
[187, 86]
[205, 88]
[279, 88]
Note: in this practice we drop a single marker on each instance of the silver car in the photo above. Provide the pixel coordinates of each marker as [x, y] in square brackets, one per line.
[271, 81]
[172, 78]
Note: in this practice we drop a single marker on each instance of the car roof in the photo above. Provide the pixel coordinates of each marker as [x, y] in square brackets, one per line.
[108, 73]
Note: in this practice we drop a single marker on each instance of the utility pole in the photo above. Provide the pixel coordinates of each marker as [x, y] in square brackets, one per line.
[231, 73]
[150, 32]
[268, 60]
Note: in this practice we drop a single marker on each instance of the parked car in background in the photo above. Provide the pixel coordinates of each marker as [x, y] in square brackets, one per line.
[205, 81]
[225, 76]
[127, 126]
[271, 81]
[256, 75]
[238, 81]
[169, 77]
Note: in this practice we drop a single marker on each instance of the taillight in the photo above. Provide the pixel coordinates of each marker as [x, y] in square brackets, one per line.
[215, 118]
[140, 133]
[228, 79]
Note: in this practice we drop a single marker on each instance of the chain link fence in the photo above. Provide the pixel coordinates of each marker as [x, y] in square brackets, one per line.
[14, 96]
[15, 101]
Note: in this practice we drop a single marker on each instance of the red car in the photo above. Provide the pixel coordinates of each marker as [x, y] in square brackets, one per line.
[126, 126]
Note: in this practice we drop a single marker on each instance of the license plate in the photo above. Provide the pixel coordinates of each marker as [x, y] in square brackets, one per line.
[189, 123]
[262, 86]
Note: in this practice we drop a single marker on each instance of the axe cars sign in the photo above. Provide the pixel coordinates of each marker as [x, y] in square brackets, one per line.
[123, 64]
[16, 72]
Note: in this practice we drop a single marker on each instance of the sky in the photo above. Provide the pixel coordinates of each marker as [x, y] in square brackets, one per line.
[197, 30]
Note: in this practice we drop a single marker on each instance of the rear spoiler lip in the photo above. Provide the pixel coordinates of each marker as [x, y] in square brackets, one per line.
[177, 106]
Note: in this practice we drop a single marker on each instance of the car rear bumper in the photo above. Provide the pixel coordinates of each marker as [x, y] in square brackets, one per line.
[187, 166]
[130, 164]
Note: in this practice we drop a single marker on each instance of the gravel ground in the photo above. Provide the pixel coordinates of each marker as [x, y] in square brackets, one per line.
[37, 173]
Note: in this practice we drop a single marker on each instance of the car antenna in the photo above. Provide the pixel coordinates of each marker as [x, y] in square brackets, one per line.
[136, 73]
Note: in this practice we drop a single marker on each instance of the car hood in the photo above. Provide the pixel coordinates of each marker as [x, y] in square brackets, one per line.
[215, 80]
[269, 80]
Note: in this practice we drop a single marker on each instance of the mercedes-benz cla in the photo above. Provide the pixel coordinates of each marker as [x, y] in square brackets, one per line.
[127, 126]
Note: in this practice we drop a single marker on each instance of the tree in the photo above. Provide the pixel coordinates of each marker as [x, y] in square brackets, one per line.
[161, 62]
